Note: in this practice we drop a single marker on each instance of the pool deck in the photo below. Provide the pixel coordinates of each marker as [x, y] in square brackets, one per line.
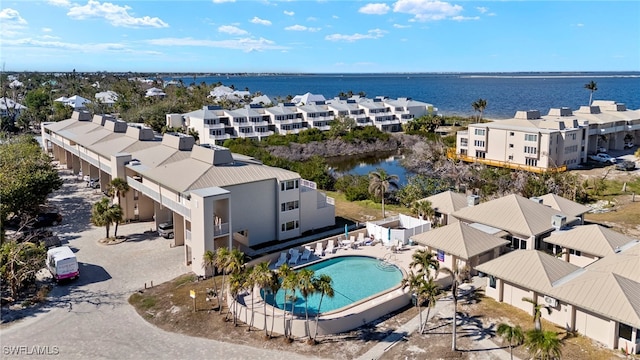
[343, 319]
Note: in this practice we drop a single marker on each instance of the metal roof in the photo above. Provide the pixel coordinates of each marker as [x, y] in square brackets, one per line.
[592, 239]
[460, 240]
[564, 205]
[447, 202]
[513, 213]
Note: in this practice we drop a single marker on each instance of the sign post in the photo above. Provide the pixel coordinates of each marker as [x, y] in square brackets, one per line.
[192, 294]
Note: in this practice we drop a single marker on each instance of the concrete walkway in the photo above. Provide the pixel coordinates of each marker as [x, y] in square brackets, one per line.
[485, 348]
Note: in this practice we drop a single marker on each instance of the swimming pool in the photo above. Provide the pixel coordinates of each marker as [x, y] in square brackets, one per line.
[354, 278]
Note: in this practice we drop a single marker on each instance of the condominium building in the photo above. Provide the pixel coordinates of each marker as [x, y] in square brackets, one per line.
[215, 125]
[560, 140]
[213, 197]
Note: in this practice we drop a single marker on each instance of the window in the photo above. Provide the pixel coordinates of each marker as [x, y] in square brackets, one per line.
[464, 142]
[480, 132]
[291, 205]
[530, 137]
[572, 136]
[511, 133]
[575, 252]
[289, 185]
[530, 150]
[531, 162]
[288, 226]
[492, 282]
[479, 143]
[481, 154]
[624, 331]
[510, 157]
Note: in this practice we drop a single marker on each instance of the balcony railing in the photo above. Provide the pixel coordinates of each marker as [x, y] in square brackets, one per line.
[221, 229]
[451, 153]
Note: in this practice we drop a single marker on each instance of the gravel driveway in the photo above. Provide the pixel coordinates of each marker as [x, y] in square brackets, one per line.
[90, 318]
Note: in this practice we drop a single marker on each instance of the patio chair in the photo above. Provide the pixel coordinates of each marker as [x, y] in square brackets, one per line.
[360, 241]
[306, 254]
[294, 258]
[330, 247]
[319, 250]
[281, 260]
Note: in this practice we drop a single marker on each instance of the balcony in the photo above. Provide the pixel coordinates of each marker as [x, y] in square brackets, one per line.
[220, 137]
[221, 229]
[259, 123]
[215, 126]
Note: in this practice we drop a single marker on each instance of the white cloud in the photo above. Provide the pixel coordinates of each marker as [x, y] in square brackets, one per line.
[232, 30]
[465, 18]
[290, 13]
[427, 10]
[61, 3]
[335, 17]
[47, 29]
[246, 44]
[301, 28]
[311, 18]
[84, 48]
[371, 34]
[222, 1]
[12, 17]
[399, 26]
[257, 20]
[116, 15]
[580, 25]
[482, 9]
[375, 9]
[49, 37]
[12, 23]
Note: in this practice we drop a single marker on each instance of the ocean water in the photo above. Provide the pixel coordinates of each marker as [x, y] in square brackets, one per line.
[452, 94]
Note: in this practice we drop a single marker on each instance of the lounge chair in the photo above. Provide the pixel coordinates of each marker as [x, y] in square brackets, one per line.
[330, 247]
[306, 254]
[294, 258]
[319, 250]
[281, 260]
[360, 241]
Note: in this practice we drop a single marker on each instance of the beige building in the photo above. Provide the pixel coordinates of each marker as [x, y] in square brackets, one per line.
[560, 140]
[599, 301]
[528, 141]
[213, 197]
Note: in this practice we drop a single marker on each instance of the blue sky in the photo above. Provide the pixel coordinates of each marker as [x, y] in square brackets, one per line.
[319, 36]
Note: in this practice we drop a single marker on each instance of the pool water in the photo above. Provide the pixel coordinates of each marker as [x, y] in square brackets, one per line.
[354, 278]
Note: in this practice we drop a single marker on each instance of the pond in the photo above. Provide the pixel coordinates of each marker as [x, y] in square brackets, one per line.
[366, 163]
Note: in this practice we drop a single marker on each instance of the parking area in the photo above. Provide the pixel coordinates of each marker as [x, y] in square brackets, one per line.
[90, 317]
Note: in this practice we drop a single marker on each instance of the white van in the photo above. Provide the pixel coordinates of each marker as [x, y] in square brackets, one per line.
[62, 263]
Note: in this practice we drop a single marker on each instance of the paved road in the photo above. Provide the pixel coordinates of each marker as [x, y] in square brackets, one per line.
[90, 318]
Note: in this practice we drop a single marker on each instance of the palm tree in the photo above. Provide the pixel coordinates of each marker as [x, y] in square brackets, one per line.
[430, 290]
[415, 283]
[118, 187]
[305, 285]
[479, 106]
[424, 260]
[274, 287]
[512, 334]
[248, 284]
[222, 256]
[209, 262]
[458, 275]
[537, 312]
[324, 287]
[263, 277]
[103, 213]
[423, 209]
[290, 283]
[236, 286]
[116, 216]
[285, 275]
[380, 182]
[544, 345]
[592, 87]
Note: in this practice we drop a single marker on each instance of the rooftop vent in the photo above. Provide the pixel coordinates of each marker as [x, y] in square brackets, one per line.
[212, 154]
[473, 200]
[536, 199]
[558, 221]
[81, 115]
[528, 115]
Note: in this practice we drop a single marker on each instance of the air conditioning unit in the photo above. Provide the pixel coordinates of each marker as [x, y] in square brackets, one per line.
[551, 301]
[558, 221]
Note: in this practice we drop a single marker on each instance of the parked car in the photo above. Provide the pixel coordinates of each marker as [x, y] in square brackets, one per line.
[62, 263]
[94, 183]
[47, 219]
[166, 230]
[626, 165]
[603, 158]
[629, 145]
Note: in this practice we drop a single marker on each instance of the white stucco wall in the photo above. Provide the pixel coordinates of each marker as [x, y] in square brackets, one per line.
[253, 208]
